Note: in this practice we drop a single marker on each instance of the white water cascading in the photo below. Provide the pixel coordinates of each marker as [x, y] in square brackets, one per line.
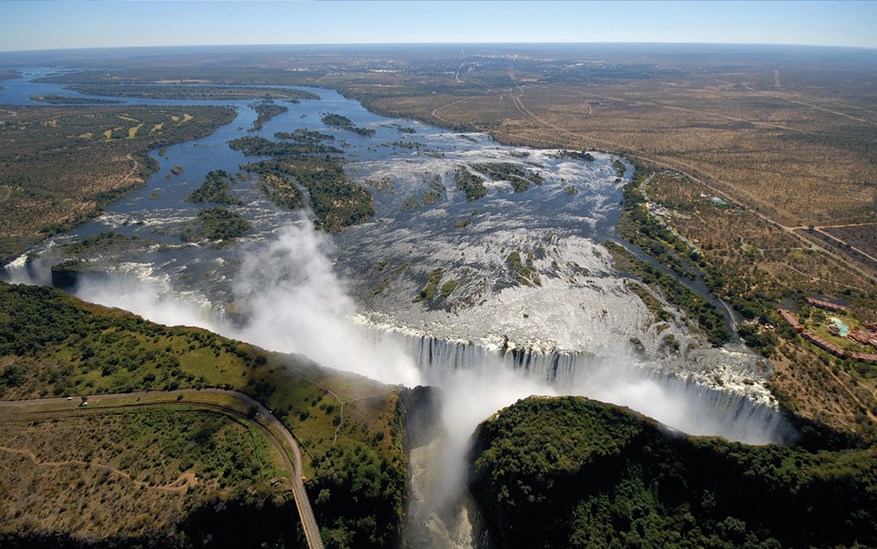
[476, 380]
[680, 403]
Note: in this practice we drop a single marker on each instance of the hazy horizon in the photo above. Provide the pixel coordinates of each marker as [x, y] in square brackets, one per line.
[38, 26]
[341, 46]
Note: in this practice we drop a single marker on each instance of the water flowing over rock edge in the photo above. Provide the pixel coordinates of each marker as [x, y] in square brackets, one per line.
[702, 409]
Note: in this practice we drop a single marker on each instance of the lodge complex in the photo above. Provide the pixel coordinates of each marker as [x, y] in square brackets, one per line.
[866, 336]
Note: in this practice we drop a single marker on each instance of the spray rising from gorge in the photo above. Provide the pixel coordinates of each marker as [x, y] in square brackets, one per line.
[293, 302]
[494, 330]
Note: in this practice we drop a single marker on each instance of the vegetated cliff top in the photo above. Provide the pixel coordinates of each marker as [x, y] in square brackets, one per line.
[54, 345]
[571, 472]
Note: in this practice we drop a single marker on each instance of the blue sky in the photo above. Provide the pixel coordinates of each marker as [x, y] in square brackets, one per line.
[27, 25]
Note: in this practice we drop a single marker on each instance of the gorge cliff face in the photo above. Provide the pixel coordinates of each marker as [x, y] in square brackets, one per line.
[571, 472]
[682, 402]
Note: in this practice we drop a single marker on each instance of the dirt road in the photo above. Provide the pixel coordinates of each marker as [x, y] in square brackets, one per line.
[234, 404]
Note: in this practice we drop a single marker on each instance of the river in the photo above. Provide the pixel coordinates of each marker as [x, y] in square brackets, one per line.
[495, 332]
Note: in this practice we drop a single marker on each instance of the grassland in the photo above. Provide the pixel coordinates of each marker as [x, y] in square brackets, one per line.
[802, 156]
[132, 475]
[55, 170]
[349, 427]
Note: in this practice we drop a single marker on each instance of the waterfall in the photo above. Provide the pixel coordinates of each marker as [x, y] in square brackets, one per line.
[476, 379]
[681, 403]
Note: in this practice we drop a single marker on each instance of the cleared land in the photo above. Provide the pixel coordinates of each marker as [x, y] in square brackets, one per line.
[128, 475]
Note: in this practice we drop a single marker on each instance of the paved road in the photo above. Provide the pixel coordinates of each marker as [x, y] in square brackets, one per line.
[240, 405]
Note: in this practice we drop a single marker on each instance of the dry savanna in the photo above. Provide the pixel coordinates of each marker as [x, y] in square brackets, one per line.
[767, 166]
[126, 474]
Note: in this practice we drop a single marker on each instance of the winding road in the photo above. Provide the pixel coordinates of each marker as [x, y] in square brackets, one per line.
[231, 403]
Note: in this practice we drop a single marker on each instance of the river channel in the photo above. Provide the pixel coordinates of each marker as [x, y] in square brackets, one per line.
[350, 300]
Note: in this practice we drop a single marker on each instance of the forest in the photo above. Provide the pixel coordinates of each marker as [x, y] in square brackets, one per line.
[344, 123]
[190, 92]
[265, 111]
[570, 472]
[216, 187]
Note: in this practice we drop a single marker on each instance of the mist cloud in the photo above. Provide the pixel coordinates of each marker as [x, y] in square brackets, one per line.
[294, 302]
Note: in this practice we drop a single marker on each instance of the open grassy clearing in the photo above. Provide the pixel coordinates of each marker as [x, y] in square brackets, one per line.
[128, 473]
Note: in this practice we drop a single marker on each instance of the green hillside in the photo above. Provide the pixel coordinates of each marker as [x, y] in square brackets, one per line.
[53, 345]
[570, 472]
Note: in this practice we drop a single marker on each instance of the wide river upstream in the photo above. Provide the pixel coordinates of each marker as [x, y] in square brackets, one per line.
[525, 298]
